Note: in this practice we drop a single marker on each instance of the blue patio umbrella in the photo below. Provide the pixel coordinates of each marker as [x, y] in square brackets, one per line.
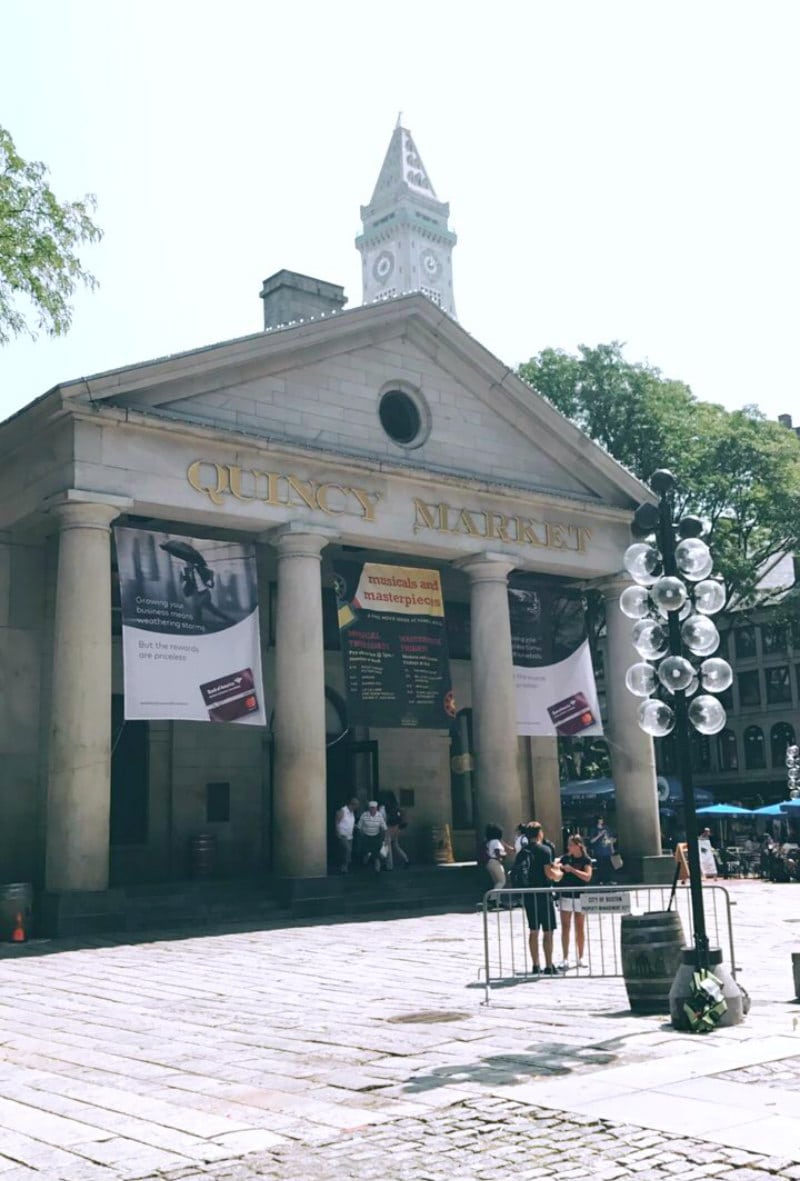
[790, 806]
[724, 810]
[769, 810]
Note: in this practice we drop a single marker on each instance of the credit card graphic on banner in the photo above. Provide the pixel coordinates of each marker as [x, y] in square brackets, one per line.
[190, 638]
[394, 645]
[553, 674]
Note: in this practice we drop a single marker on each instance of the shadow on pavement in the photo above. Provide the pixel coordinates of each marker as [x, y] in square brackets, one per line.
[541, 1060]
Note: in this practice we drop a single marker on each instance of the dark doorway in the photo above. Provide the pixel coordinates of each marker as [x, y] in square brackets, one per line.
[128, 778]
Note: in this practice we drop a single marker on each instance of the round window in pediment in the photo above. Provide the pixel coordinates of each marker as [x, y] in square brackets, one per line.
[403, 418]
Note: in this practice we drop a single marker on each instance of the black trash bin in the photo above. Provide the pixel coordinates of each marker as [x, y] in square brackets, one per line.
[203, 856]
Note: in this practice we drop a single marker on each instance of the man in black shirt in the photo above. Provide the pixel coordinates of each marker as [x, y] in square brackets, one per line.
[540, 908]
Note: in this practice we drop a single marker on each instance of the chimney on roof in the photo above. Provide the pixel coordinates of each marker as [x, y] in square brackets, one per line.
[289, 296]
[786, 420]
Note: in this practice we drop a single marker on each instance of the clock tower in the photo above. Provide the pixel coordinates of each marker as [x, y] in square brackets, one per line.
[406, 244]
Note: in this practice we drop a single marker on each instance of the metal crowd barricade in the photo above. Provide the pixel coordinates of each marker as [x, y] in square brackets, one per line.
[505, 927]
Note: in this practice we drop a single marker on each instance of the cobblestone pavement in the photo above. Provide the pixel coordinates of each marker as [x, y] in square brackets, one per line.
[484, 1138]
[289, 1050]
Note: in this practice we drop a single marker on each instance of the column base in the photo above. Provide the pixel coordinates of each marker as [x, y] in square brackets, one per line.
[682, 987]
[82, 912]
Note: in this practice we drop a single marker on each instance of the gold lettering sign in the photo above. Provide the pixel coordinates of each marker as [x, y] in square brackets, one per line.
[443, 518]
[280, 490]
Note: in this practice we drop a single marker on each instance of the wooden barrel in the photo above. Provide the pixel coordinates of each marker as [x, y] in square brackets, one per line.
[16, 912]
[651, 947]
[442, 844]
[203, 856]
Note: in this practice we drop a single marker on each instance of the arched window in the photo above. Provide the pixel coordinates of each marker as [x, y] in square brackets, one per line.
[781, 736]
[754, 753]
[701, 752]
[727, 751]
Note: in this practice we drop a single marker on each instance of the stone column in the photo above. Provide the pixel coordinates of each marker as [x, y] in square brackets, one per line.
[300, 807]
[78, 793]
[632, 758]
[494, 717]
[546, 788]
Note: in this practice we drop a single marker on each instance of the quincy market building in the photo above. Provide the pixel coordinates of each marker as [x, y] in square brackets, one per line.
[384, 433]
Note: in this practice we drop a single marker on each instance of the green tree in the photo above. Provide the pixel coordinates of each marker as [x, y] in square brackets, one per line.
[39, 236]
[736, 468]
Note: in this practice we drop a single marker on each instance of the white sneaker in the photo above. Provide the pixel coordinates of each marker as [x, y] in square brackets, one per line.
[581, 964]
[564, 966]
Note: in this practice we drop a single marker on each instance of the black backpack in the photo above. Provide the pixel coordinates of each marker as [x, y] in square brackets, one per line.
[519, 876]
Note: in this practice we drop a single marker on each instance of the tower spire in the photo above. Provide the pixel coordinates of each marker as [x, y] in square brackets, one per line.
[406, 244]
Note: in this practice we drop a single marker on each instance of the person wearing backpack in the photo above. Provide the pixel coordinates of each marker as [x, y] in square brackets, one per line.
[535, 868]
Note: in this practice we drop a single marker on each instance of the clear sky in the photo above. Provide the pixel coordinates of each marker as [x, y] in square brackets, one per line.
[616, 169]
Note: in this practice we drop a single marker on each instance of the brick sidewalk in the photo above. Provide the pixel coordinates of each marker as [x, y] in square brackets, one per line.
[245, 1053]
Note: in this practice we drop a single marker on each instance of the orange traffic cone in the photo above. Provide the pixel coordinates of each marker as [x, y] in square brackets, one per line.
[18, 934]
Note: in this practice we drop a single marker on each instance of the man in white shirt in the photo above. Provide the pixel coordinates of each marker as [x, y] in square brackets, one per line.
[345, 824]
[372, 827]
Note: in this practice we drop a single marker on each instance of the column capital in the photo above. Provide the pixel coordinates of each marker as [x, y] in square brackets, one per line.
[299, 540]
[486, 567]
[76, 509]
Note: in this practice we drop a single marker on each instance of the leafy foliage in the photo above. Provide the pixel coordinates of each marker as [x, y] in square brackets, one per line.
[38, 240]
[736, 468]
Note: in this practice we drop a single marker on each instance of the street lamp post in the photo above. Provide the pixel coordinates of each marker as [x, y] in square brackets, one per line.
[672, 602]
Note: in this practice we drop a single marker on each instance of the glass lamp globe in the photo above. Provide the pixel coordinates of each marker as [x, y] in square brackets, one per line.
[643, 562]
[693, 559]
[709, 596]
[641, 680]
[675, 672]
[656, 718]
[668, 593]
[707, 714]
[716, 675]
[693, 686]
[649, 638]
[699, 635]
[634, 602]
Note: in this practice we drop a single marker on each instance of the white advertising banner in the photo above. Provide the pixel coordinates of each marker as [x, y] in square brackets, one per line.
[190, 637]
[555, 687]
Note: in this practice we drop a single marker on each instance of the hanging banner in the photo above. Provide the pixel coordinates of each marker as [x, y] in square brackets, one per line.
[553, 674]
[394, 644]
[190, 638]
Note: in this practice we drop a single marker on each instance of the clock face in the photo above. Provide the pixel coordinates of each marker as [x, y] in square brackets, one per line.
[383, 266]
[431, 264]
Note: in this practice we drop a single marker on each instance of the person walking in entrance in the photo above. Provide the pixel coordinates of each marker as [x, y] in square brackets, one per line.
[534, 865]
[601, 847]
[345, 826]
[395, 823]
[577, 868]
[372, 829]
[495, 850]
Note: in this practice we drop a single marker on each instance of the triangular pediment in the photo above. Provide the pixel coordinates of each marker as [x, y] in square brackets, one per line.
[318, 386]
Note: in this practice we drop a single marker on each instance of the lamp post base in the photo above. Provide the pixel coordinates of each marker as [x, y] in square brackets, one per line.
[682, 989]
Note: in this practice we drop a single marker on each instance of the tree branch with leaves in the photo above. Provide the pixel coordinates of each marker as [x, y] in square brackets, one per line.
[39, 237]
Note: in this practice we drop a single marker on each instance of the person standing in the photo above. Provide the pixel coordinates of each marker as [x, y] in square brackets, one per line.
[345, 822]
[708, 862]
[535, 861]
[372, 829]
[577, 868]
[601, 847]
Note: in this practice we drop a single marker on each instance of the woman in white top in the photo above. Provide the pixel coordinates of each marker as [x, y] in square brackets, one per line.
[708, 862]
[496, 849]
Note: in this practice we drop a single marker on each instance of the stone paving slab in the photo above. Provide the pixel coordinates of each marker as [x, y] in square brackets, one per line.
[180, 1058]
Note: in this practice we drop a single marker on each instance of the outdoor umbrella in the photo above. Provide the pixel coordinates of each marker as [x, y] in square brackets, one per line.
[790, 806]
[769, 810]
[724, 810]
